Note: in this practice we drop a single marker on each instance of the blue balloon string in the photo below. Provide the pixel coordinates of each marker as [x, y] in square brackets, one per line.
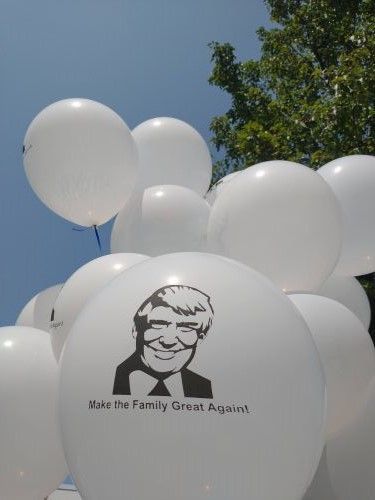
[98, 238]
[79, 229]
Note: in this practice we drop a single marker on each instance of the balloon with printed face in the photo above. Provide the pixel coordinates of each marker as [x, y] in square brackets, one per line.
[37, 312]
[197, 373]
[162, 219]
[349, 292]
[216, 189]
[347, 354]
[81, 160]
[282, 219]
[32, 463]
[78, 289]
[172, 152]
[352, 178]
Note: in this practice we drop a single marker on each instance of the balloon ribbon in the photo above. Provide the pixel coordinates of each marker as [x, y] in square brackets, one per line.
[97, 236]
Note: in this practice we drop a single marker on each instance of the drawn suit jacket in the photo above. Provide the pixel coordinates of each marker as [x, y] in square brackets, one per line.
[194, 385]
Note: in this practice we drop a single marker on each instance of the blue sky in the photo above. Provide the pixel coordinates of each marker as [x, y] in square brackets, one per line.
[143, 58]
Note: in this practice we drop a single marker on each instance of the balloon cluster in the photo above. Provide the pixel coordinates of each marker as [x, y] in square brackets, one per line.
[195, 359]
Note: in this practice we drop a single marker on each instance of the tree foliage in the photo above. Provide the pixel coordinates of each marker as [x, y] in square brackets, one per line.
[310, 96]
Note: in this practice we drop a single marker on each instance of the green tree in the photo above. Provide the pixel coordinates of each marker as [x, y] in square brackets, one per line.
[310, 96]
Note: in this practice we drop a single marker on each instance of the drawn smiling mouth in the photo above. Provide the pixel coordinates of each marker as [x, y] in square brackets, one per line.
[164, 353]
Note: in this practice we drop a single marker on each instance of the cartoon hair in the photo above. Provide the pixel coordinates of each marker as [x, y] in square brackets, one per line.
[183, 300]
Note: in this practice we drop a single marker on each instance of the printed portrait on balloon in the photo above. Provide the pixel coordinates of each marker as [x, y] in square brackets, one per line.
[168, 327]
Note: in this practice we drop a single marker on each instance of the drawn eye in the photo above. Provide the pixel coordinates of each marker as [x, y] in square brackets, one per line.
[157, 326]
[187, 329]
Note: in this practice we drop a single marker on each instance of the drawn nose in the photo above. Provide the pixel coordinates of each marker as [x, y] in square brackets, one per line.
[169, 336]
[167, 345]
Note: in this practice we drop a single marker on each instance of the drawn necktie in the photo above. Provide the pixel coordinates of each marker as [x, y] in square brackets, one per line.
[160, 389]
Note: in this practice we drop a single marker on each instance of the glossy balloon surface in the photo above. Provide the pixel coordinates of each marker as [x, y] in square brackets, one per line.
[81, 160]
[32, 463]
[172, 152]
[191, 376]
[346, 470]
[80, 287]
[216, 189]
[163, 219]
[37, 312]
[352, 178]
[347, 354]
[349, 292]
[281, 219]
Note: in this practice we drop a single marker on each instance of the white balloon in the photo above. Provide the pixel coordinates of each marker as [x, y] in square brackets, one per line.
[346, 470]
[80, 287]
[282, 219]
[81, 160]
[172, 152]
[349, 292]
[243, 419]
[162, 219]
[32, 463]
[216, 189]
[347, 354]
[321, 487]
[352, 179]
[65, 495]
[37, 312]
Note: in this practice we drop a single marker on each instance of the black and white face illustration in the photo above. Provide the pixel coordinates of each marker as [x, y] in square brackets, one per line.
[169, 326]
